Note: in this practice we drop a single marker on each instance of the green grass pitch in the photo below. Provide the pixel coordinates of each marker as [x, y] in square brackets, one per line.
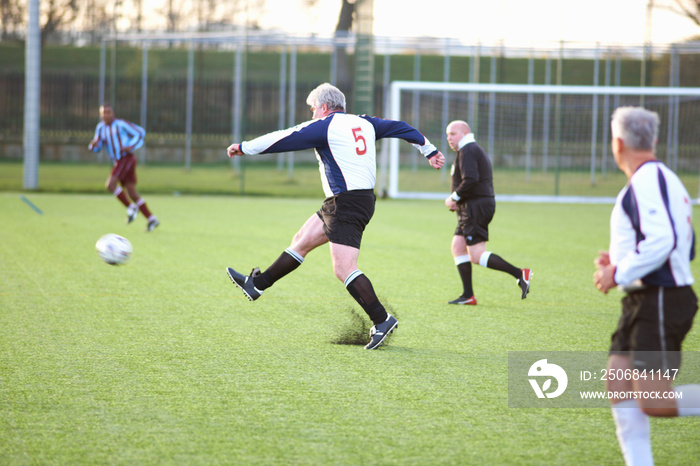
[163, 361]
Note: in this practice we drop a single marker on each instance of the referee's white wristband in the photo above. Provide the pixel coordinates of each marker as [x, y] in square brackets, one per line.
[455, 197]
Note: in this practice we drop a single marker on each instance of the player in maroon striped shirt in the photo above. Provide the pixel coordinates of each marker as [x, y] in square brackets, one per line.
[120, 138]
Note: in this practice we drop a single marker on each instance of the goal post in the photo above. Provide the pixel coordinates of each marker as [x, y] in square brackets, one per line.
[537, 133]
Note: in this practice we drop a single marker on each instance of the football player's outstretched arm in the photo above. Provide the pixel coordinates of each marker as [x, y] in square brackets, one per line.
[402, 130]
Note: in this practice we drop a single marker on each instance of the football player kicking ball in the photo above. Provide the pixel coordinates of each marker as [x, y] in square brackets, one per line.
[121, 138]
[651, 245]
[346, 153]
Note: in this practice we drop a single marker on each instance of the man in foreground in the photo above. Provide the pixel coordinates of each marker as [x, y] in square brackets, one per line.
[651, 245]
[346, 152]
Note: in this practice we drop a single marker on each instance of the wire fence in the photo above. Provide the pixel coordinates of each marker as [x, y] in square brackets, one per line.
[195, 94]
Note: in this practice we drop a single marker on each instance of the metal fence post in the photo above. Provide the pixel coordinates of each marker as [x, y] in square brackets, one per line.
[530, 112]
[594, 111]
[236, 135]
[144, 94]
[282, 111]
[190, 92]
[292, 102]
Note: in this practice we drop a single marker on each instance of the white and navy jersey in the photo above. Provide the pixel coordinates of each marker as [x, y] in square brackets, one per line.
[345, 147]
[117, 135]
[651, 232]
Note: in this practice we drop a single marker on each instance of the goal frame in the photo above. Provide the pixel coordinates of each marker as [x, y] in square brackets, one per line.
[395, 111]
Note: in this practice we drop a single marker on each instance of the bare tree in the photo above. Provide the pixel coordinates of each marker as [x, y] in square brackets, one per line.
[139, 14]
[691, 8]
[342, 30]
[208, 14]
[687, 8]
[99, 19]
[55, 14]
[11, 22]
[347, 14]
[173, 16]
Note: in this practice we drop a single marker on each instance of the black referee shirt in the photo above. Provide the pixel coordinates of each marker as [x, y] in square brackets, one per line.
[472, 175]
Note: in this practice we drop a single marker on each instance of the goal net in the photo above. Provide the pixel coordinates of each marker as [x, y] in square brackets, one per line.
[544, 141]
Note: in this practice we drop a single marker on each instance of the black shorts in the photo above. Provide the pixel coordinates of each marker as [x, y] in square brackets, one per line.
[346, 215]
[473, 218]
[653, 324]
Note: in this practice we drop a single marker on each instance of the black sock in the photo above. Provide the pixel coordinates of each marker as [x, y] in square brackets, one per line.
[287, 262]
[498, 263]
[361, 289]
[465, 273]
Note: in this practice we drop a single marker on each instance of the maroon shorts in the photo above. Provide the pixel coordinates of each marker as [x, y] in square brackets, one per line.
[125, 169]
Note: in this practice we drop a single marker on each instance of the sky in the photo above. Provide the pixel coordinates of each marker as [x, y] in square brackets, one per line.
[517, 23]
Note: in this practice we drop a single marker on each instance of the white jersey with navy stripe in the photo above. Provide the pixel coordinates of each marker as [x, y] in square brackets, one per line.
[344, 144]
[118, 135]
[651, 233]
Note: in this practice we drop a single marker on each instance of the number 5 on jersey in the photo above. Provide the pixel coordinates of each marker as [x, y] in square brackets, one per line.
[356, 132]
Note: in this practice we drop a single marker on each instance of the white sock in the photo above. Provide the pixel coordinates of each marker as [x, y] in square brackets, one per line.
[117, 191]
[462, 259]
[484, 259]
[688, 403]
[140, 202]
[633, 433]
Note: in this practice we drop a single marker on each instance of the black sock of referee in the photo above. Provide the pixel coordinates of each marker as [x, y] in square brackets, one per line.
[360, 288]
[496, 262]
[465, 273]
[287, 262]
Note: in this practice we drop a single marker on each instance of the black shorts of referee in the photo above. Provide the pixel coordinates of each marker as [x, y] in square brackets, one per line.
[346, 215]
[473, 218]
[654, 322]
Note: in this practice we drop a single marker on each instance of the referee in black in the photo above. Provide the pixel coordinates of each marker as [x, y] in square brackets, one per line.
[473, 199]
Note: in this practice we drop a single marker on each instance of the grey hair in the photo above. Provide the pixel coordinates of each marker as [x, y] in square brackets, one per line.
[327, 94]
[636, 126]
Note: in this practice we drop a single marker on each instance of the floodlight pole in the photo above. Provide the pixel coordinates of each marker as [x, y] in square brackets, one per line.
[32, 94]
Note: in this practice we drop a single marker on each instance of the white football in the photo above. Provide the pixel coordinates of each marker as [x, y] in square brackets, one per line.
[114, 249]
